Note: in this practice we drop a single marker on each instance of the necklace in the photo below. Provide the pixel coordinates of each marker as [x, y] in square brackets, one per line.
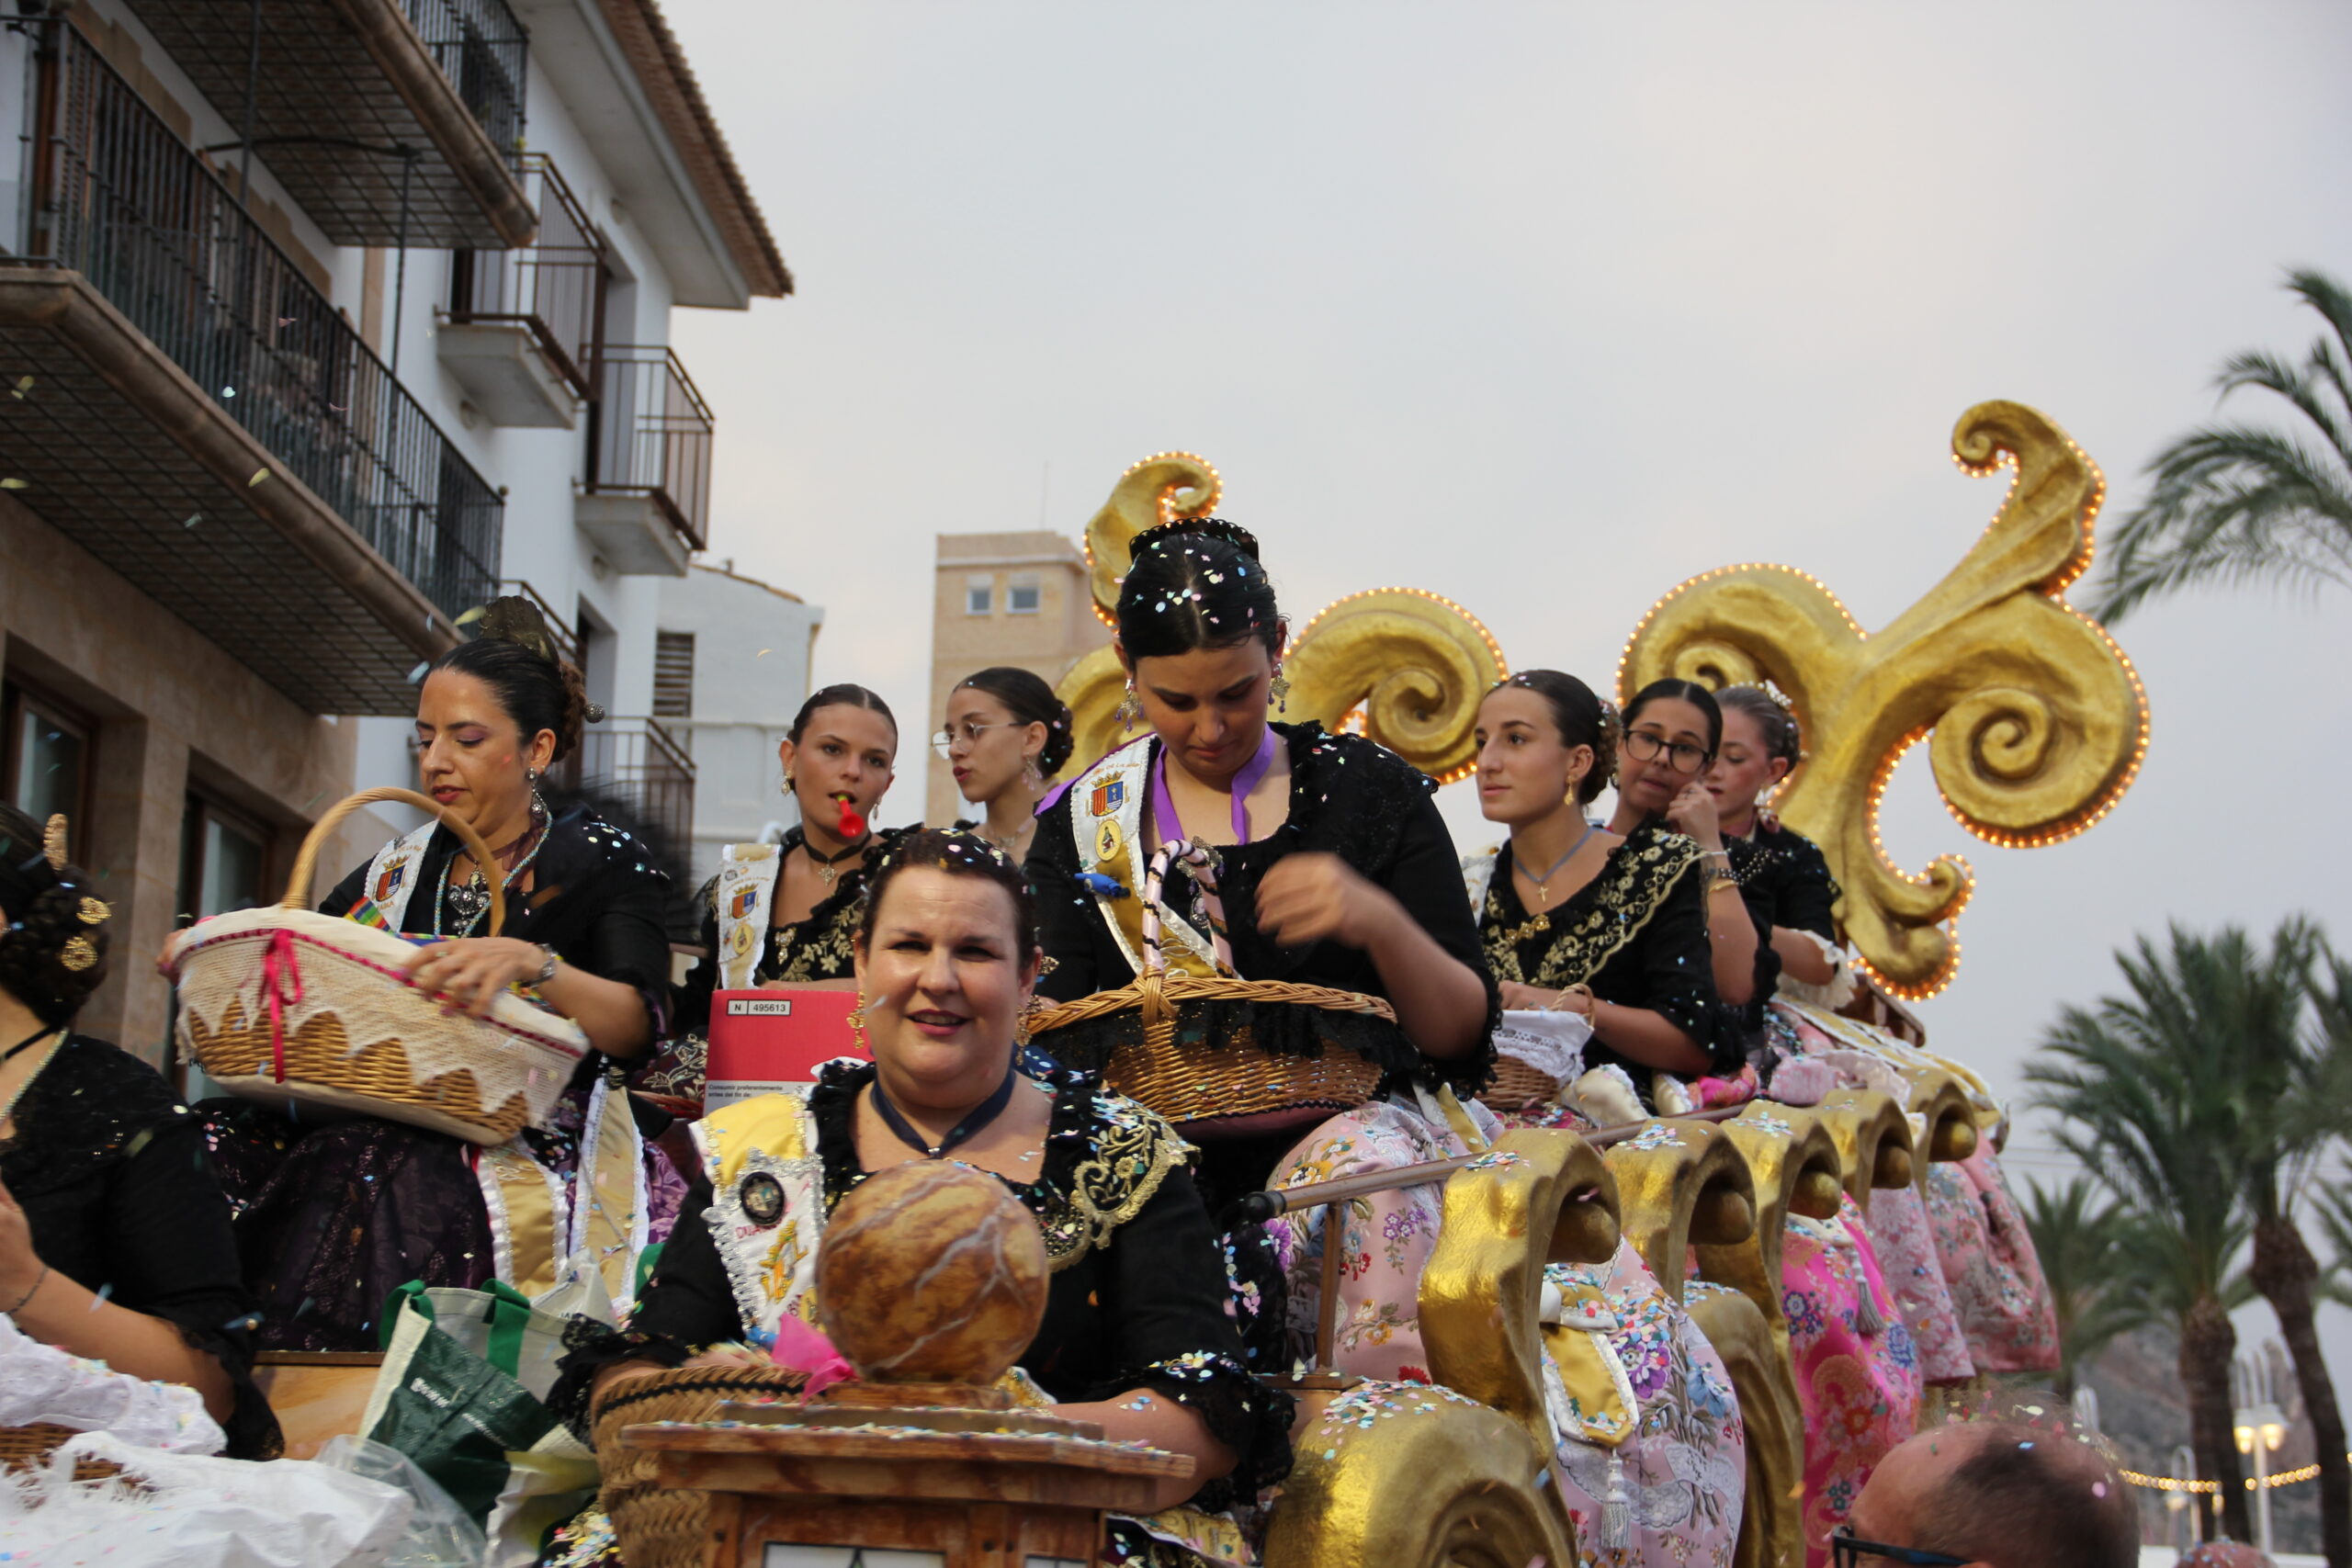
[825, 863]
[18, 1049]
[964, 1132]
[1543, 892]
[470, 900]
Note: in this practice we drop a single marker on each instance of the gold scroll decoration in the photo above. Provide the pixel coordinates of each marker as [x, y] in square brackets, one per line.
[1460, 1483]
[1404, 665]
[2038, 722]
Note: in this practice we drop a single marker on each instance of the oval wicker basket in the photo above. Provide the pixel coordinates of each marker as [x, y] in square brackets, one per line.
[659, 1526]
[24, 1447]
[282, 1003]
[1516, 1086]
[1214, 1081]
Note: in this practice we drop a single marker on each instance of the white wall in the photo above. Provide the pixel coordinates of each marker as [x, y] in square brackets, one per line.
[752, 647]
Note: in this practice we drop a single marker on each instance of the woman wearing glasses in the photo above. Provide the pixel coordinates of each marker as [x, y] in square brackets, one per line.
[1611, 923]
[1007, 736]
[1673, 729]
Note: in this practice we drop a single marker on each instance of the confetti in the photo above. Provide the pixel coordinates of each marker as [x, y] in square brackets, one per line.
[418, 673]
[2099, 1488]
[193, 519]
[23, 385]
[285, 321]
[228, 391]
[15, 484]
[100, 1299]
[763, 653]
[259, 475]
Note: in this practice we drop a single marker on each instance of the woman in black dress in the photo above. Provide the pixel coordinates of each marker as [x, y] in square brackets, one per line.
[1337, 870]
[1574, 917]
[787, 914]
[1136, 1335]
[115, 1242]
[331, 1218]
[1006, 739]
[1783, 877]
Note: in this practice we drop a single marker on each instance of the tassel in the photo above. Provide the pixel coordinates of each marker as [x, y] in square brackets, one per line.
[1866, 1313]
[1617, 1509]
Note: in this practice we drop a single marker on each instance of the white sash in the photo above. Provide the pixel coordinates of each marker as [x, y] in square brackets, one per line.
[1113, 792]
[767, 1205]
[1478, 874]
[746, 892]
[392, 876]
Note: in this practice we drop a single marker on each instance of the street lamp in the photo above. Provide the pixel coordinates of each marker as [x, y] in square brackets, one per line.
[2260, 1428]
[2184, 1463]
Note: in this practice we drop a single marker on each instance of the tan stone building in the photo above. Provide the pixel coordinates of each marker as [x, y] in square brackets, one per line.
[1002, 599]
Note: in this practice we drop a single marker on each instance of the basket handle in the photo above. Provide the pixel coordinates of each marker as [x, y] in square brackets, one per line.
[1202, 865]
[306, 862]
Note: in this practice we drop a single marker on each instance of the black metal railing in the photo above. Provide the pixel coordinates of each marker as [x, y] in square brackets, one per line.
[481, 48]
[122, 200]
[652, 436]
[638, 764]
[554, 286]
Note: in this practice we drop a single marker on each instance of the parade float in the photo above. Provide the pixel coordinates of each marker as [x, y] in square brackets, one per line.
[1535, 1432]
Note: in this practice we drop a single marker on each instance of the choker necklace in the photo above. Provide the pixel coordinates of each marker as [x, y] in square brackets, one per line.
[1543, 892]
[963, 1131]
[27, 1043]
[825, 863]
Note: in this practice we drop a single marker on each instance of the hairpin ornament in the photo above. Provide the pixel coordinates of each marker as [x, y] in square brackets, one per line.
[52, 841]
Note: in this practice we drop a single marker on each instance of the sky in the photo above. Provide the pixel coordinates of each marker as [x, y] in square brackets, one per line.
[1546, 308]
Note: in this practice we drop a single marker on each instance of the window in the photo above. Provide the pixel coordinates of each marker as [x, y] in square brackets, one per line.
[46, 755]
[673, 674]
[979, 594]
[1021, 596]
[224, 860]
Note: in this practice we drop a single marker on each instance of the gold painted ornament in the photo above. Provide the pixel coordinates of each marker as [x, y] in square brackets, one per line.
[2035, 721]
[78, 954]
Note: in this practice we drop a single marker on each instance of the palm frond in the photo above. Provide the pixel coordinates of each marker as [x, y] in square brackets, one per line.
[2260, 368]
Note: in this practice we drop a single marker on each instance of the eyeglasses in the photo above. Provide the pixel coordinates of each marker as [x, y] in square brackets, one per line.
[969, 730]
[1845, 1552]
[1681, 755]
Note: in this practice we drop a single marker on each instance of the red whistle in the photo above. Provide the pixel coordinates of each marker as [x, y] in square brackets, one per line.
[852, 827]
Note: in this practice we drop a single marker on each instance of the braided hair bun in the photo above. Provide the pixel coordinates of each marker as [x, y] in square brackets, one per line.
[1196, 583]
[54, 948]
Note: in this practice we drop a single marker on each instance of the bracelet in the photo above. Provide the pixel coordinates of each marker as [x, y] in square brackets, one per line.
[38, 1281]
[547, 970]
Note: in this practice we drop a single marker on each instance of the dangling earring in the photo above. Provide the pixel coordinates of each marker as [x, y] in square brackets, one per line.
[1130, 709]
[787, 787]
[1030, 777]
[857, 1028]
[531, 776]
[1020, 1029]
[1279, 689]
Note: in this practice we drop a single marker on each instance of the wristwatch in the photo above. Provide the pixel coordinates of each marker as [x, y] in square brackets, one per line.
[547, 969]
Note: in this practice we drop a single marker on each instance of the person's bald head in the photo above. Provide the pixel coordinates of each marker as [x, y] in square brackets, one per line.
[2002, 1495]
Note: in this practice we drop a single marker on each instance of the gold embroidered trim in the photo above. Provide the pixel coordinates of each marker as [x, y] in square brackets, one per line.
[1638, 883]
[1134, 1150]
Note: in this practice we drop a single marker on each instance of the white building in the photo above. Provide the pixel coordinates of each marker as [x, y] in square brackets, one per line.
[733, 670]
[272, 424]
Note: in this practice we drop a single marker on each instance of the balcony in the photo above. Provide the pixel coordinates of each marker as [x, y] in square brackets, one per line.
[640, 766]
[648, 496]
[391, 122]
[521, 329]
[193, 412]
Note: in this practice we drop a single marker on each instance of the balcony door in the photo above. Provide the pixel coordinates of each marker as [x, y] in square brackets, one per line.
[45, 759]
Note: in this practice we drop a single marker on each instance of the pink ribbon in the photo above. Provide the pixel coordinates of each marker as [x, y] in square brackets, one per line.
[281, 983]
[801, 1347]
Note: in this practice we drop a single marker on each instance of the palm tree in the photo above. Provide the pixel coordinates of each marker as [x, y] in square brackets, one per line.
[2249, 502]
[2081, 1242]
[2277, 1025]
[2146, 1089]
[2293, 1076]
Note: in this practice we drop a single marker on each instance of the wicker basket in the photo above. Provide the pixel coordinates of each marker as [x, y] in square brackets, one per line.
[1209, 1081]
[281, 1003]
[1516, 1086]
[659, 1527]
[25, 1447]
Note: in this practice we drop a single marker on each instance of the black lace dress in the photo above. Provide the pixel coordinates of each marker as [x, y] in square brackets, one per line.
[111, 1172]
[1348, 796]
[331, 1218]
[1636, 934]
[1136, 1298]
[1786, 883]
